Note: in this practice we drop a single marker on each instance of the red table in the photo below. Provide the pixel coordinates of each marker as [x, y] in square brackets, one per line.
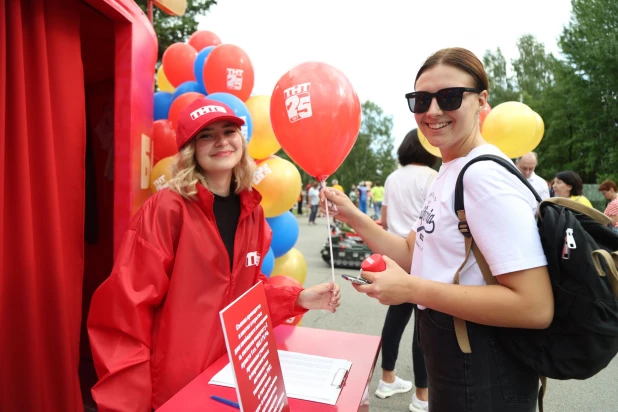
[361, 350]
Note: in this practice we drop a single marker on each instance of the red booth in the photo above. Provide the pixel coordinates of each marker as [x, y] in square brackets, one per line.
[76, 108]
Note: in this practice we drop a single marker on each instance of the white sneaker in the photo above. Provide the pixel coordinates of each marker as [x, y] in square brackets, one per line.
[389, 389]
[417, 405]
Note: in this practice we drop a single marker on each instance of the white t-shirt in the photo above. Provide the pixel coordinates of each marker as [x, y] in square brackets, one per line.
[405, 191]
[540, 185]
[500, 212]
[314, 196]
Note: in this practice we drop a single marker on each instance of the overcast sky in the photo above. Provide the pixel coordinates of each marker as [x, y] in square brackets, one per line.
[379, 48]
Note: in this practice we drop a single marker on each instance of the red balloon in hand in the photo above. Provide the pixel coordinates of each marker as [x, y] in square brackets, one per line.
[316, 116]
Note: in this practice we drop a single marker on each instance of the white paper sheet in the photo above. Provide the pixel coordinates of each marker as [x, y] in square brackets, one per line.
[307, 377]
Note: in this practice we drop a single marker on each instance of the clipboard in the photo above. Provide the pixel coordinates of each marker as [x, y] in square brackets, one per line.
[323, 386]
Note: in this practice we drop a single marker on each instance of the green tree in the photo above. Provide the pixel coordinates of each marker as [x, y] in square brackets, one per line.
[501, 85]
[174, 29]
[371, 157]
[582, 106]
[532, 67]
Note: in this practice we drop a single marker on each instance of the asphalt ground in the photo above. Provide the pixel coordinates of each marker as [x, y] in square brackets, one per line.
[363, 315]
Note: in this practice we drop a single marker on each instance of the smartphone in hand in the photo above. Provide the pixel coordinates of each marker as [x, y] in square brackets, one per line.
[357, 280]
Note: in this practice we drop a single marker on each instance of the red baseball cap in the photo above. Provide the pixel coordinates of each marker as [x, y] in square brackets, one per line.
[200, 114]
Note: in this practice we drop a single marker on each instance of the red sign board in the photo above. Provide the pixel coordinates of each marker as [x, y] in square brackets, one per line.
[252, 350]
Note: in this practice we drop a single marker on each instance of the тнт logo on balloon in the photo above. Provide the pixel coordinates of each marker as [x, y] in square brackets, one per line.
[298, 101]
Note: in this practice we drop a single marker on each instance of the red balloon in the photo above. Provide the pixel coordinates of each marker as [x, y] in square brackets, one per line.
[180, 103]
[202, 39]
[228, 69]
[483, 114]
[316, 116]
[178, 62]
[283, 280]
[164, 140]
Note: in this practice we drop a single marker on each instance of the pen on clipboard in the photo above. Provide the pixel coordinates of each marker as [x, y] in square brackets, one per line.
[225, 401]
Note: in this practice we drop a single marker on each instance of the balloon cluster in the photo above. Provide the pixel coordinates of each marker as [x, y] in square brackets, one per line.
[189, 71]
[204, 66]
[511, 126]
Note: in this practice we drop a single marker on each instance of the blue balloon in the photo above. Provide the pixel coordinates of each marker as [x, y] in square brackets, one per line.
[198, 67]
[285, 233]
[240, 109]
[162, 103]
[186, 87]
[268, 263]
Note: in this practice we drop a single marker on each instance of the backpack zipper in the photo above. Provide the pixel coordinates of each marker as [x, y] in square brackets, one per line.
[569, 243]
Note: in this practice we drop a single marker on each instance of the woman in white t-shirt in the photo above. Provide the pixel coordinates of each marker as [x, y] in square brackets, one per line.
[451, 90]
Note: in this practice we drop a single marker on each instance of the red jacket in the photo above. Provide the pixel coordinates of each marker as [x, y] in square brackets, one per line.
[154, 323]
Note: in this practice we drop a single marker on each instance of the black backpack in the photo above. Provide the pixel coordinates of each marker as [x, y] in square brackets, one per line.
[582, 259]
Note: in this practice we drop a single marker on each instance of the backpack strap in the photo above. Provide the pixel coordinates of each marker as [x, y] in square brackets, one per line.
[460, 325]
[461, 332]
[542, 391]
[578, 207]
[610, 261]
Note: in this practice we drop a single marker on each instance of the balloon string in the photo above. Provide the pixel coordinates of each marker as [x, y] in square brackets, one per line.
[330, 238]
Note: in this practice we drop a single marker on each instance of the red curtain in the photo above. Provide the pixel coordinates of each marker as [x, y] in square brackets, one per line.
[42, 146]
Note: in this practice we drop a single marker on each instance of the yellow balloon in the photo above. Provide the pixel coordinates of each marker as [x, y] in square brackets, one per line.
[427, 146]
[162, 82]
[263, 142]
[161, 174]
[512, 126]
[300, 323]
[292, 264]
[540, 131]
[278, 181]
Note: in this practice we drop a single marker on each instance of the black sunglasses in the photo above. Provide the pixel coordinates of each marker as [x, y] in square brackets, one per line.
[448, 99]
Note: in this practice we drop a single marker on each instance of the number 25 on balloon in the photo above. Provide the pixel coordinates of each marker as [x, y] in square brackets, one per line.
[298, 102]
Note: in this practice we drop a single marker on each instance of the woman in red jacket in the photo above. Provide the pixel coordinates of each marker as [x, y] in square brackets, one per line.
[191, 250]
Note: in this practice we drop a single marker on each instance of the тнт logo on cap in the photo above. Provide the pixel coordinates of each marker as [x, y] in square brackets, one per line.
[207, 109]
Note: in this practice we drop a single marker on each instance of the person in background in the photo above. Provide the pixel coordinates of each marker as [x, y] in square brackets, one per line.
[313, 200]
[353, 195]
[362, 197]
[377, 194]
[526, 165]
[568, 184]
[610, 192]
[190, 251]
[335, 185]
[405, 192]
[299, 204]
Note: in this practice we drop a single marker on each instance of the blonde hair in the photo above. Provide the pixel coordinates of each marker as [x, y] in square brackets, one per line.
[187, 173]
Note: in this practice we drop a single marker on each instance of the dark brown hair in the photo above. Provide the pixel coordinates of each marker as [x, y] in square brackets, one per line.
[607, 185]
[412, 151]
[459, 58]
[572, 179]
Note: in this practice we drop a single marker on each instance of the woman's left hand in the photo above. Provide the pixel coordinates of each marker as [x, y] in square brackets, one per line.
[323, 296]
[390, 287]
